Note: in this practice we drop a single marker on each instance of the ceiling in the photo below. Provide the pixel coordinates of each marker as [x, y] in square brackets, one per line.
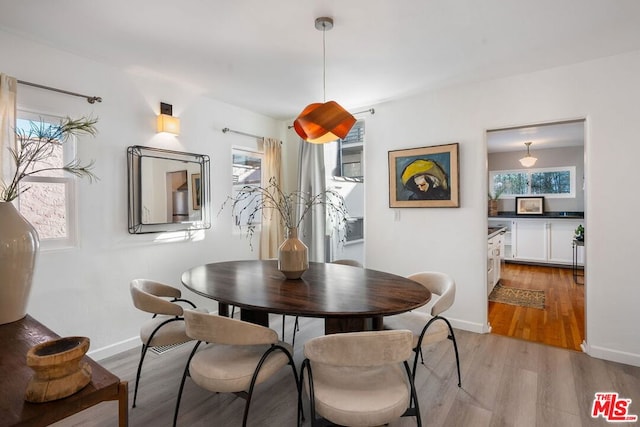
[543, 136]
[266, 56]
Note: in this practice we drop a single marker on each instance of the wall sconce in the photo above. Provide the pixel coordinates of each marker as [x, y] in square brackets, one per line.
[166, 121]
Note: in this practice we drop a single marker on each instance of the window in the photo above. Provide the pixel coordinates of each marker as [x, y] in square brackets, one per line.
[247, 171]
[49, 204]
[350, 152]
[549, 182]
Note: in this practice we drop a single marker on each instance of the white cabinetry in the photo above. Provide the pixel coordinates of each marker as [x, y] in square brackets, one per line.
[542, 240]
[529, 240]
[495, 250]
[561, 234]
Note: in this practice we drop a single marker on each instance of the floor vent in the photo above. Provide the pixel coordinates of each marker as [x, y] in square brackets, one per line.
[162, 349]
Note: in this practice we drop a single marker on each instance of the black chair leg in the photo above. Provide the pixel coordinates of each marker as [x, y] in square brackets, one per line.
[296, 327]
[184, 377]
[452, 337]
[135, 392]
[283, 319]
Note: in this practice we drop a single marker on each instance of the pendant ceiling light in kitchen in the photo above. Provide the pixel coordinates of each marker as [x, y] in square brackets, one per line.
[528, 160]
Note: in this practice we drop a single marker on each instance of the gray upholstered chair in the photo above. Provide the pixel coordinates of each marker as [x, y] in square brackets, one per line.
[166, 327]
[359, 378]
[237, 356]
[296, 326]
[429, 328]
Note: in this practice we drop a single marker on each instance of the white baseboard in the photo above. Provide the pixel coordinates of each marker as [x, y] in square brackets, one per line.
[479, 328]
[113, 349]
[119, 347]
[611, 355]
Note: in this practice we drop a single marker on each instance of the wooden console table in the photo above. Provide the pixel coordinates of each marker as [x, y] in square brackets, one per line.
[17, 338]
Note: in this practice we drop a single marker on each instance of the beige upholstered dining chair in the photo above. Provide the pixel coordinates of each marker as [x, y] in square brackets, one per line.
[296, 325]
[429, 328]
[166, 327]
[351, 262]
[359, 378]
[237, 356]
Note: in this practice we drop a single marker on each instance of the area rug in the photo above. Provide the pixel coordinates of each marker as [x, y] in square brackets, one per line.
[515, 296]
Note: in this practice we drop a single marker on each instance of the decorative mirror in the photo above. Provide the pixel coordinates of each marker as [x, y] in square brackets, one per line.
[168, 190]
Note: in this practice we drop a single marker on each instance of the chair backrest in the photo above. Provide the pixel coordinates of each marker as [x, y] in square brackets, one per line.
[213, 328]
[371, 348]
[351, 262]
[440, 284]
[148, 296]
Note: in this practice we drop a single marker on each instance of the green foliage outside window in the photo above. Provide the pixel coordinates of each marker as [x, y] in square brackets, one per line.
[549, 182]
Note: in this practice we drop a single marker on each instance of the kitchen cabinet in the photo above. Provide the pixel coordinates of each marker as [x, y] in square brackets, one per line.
[541, 240]
[561, 234]
[495, 250]
[529, 240]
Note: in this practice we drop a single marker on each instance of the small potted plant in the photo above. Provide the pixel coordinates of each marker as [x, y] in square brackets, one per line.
[493, 199]
[579, 233]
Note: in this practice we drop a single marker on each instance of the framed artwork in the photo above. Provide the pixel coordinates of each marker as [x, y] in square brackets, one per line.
[425, 177]
[195, 191]
[530, 205]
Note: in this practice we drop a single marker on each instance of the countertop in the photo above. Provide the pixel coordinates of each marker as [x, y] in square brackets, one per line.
[554, 215]
[494, 231]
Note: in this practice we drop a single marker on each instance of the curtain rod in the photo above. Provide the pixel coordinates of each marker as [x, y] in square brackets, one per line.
[370, 110]
[90, 99]
[225, 130]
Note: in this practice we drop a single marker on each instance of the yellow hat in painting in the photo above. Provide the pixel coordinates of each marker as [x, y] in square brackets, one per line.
[422, 167]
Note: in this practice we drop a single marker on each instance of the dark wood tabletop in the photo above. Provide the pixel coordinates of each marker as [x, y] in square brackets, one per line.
[330, 291]
[17, 338]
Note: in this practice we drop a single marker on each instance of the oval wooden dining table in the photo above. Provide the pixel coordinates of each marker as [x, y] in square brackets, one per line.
[348, 298]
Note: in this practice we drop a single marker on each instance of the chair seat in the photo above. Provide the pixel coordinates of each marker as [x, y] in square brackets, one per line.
[415, 322]
[229, 368]
[360, 396]
[171, 333]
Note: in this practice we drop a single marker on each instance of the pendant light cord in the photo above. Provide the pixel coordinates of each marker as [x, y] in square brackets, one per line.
[324, 63]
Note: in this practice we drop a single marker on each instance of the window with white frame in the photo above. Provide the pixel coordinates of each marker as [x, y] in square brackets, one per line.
[559, 182]
[247, 171]
[48, 199]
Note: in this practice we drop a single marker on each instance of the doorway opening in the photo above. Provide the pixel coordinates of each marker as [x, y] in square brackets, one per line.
[532, 251]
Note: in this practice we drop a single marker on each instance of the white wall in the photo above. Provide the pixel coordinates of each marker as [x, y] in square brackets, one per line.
[606, 93]
[85, 291]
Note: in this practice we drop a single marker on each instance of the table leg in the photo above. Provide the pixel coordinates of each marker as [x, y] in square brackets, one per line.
[257, 317]
[335, 325]
[123, 404]
[223, 309]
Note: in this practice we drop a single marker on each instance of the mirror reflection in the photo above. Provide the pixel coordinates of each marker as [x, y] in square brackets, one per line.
[168, 190]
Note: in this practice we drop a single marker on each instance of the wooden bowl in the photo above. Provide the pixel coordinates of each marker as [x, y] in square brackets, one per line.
[59, 370]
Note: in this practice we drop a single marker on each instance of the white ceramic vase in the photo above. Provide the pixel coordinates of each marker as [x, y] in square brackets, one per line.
[293, 256]
[18, 250]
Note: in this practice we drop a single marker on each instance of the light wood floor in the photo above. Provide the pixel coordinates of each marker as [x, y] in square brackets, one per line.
[505, 382]
[560, 324]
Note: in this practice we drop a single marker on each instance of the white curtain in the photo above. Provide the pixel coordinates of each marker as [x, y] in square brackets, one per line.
[311, 180]
[272, 234]
[8, 91]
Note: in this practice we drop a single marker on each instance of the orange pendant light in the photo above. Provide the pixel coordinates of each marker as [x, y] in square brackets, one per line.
[324, 122]
[319, 123]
